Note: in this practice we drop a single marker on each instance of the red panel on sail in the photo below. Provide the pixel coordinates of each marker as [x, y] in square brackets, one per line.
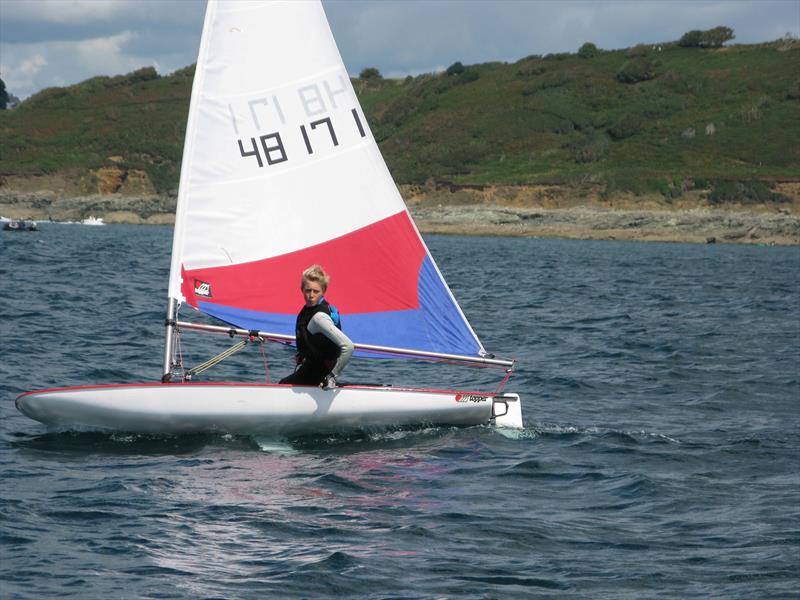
[372, 269]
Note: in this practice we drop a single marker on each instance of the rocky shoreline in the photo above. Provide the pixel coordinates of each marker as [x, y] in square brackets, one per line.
[697, 225]
[779, 225]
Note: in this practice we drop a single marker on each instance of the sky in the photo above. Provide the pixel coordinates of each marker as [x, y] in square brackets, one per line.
[46, 43]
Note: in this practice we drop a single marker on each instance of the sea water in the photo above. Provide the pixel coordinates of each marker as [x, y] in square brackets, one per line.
[660, 455]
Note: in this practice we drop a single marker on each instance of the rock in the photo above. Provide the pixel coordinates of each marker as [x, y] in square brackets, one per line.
[109, 180]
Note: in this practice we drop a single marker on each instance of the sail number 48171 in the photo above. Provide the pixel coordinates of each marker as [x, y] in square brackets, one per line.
[274, 150]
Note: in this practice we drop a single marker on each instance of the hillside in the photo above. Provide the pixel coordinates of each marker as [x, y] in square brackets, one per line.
[731, 113]
[676, 124]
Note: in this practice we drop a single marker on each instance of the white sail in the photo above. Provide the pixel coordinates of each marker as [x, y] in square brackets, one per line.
[280, 170]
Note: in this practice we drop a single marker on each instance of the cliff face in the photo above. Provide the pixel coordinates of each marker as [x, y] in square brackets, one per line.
[128, 182]
[117, 194]
[104, 181]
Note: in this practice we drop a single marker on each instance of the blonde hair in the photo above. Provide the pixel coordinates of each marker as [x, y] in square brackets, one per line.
[316, 274]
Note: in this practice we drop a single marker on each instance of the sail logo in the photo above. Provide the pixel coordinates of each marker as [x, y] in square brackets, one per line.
[201, 288]
[471, 398]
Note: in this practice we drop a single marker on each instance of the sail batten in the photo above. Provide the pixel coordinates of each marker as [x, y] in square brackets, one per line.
[280, 171]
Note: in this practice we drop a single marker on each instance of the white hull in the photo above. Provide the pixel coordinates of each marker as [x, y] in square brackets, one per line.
[262, 408]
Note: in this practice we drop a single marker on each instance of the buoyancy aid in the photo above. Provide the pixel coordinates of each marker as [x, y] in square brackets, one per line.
[316, 346]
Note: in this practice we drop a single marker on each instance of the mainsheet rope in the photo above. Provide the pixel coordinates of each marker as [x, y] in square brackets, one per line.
[215, 360]
[264, 358]
[187, 375]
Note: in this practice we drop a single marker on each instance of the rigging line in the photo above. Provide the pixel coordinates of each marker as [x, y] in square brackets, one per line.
[264, 358]
[179, 350]
[501, 386]
[216, 360]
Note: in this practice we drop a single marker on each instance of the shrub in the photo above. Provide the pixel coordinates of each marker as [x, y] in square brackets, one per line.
[455, 69]
[672, 189]
[555, 79]
[637, 50]
[588, 150]
[714, 38]
[588, 50]
[691, 39]
[3, 95]
[370, 73]
[626, 127]
[530, 69]
[143, 74]
[185, 71]
[445, 83]
[743, 191]
[636, 70]
[468, 75]
[556, 56]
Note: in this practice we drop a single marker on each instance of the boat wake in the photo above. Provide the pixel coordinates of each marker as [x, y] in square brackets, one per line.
[634, 436]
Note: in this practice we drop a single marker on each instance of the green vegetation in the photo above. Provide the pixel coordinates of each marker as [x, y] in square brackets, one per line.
[370, 73]
[3, 95]
[711, 38]
[588, 50]
[644, 119]
[455, 69]
[641, 68]
[139, 117]
[743, 192]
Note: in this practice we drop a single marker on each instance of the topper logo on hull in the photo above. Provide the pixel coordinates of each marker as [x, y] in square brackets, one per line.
[201, 288]
[471, 398]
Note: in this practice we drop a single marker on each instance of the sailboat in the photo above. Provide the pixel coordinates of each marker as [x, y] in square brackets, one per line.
[280, 171]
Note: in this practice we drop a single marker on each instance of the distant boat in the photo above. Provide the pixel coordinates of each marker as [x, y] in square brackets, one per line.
[93, 221]
[20, 225]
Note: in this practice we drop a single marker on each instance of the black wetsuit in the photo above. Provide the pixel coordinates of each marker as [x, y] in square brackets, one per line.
[319, 354]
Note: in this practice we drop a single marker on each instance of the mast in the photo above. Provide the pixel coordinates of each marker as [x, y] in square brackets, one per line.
[169, 337]
[174, 296]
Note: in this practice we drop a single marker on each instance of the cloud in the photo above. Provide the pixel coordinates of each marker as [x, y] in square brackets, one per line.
[57, 42]
[79, 12]
[104, 55]
[29, 67]
[32, 65]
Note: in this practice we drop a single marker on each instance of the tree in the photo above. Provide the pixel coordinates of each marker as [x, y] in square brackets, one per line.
[711, 38]
[455, 69]
[691, 39]
[3, 95]
[588, 50]
[714, 38]
[370, 73]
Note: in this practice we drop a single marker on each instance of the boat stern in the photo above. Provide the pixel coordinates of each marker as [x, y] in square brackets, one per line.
[507, 411]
